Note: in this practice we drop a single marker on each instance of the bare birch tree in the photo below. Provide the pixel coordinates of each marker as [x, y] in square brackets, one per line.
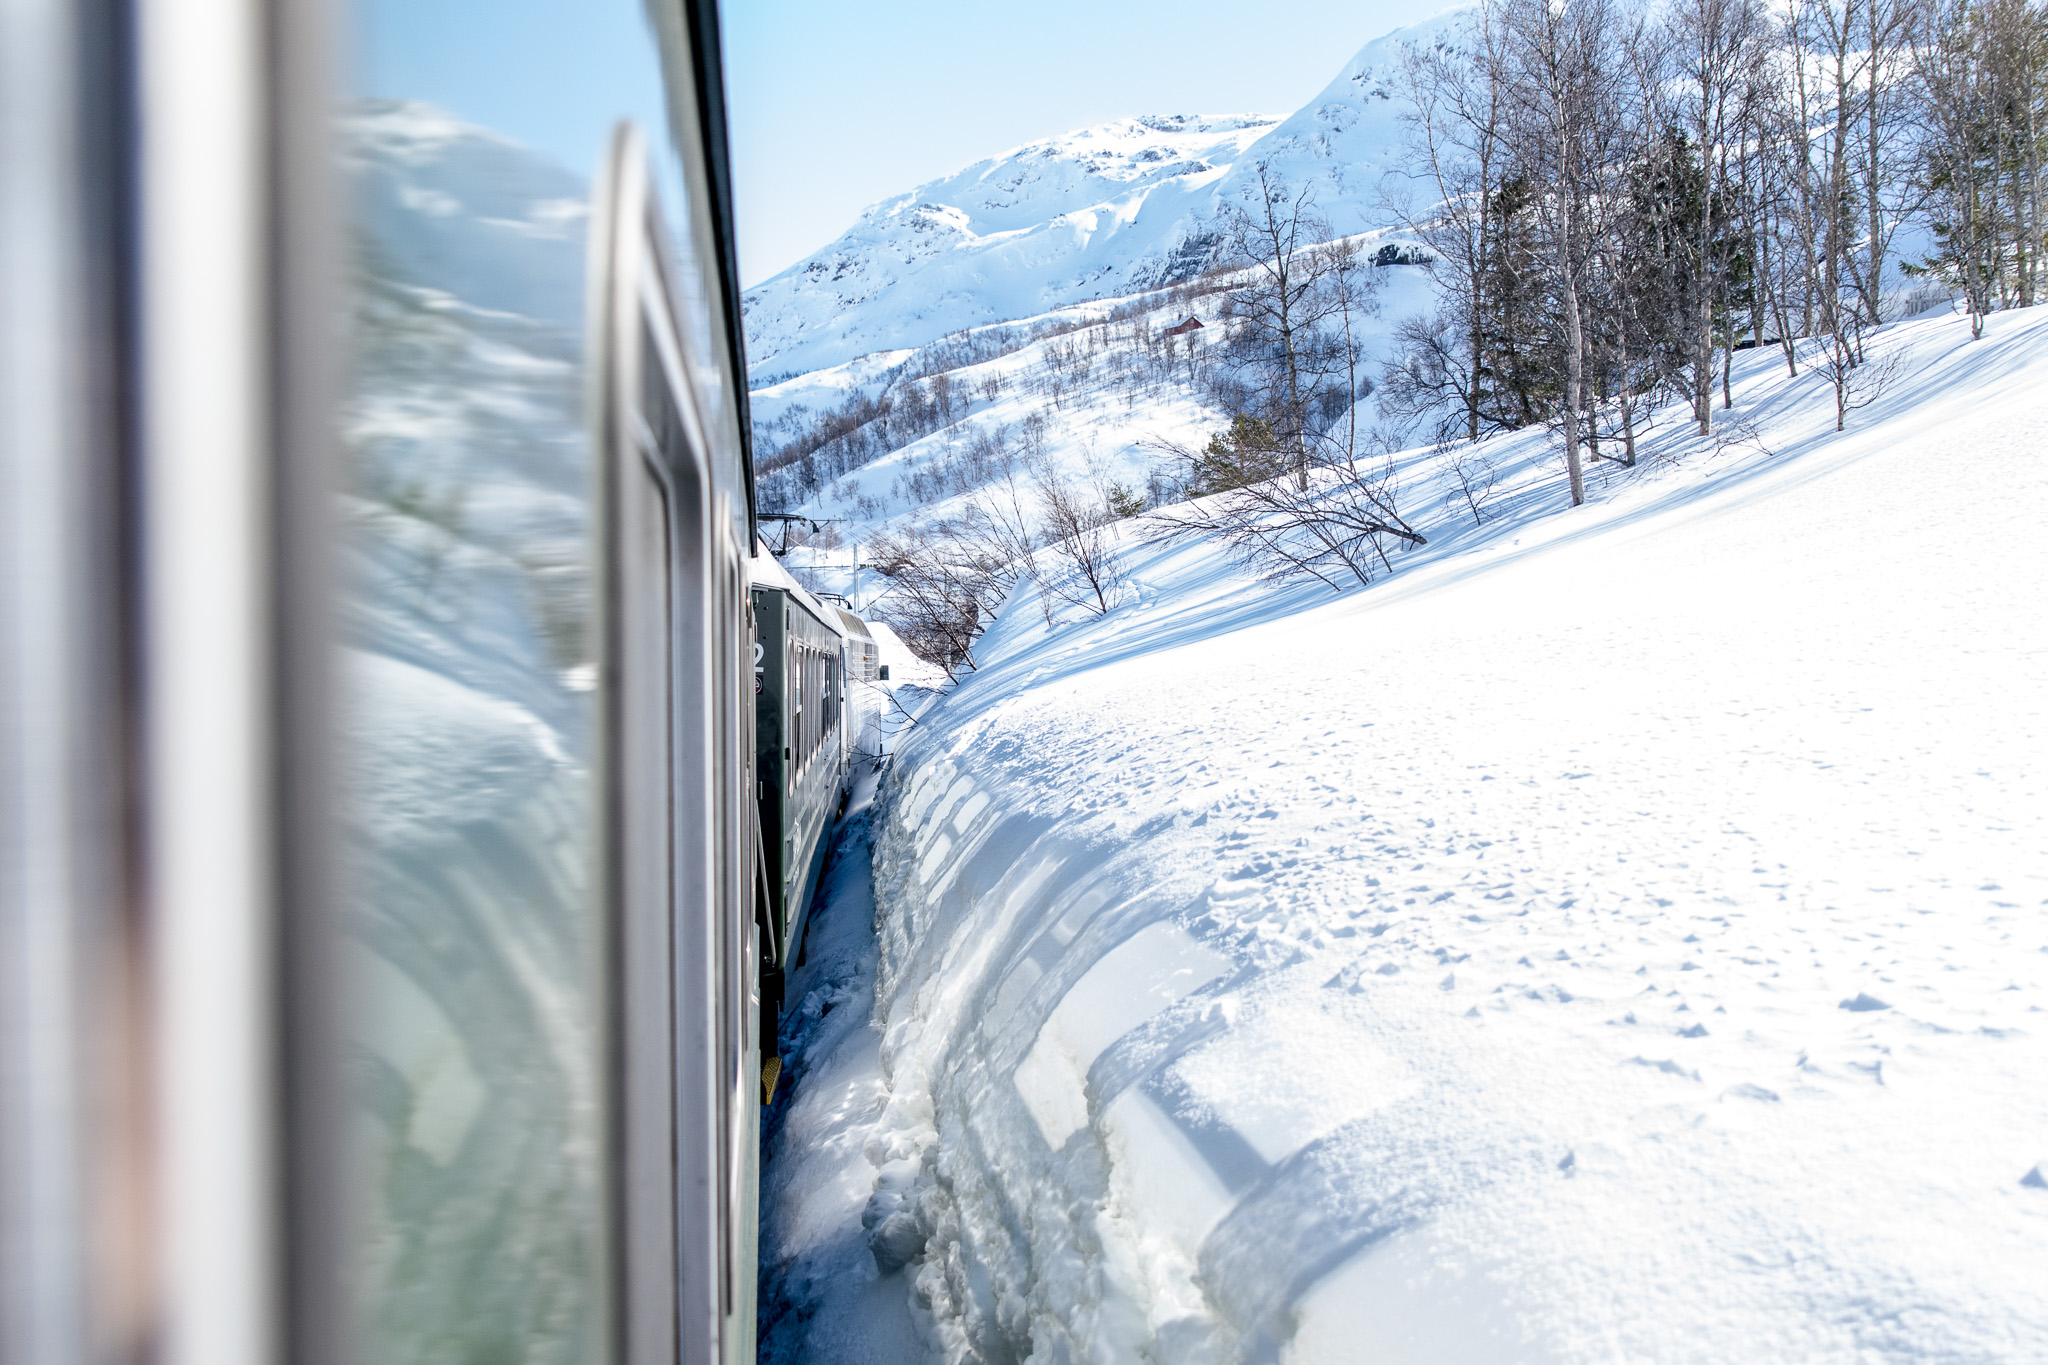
[1336, 530]
[1457, 135]
[1087, 571]
[1718, 47]
[1559, 82]
[1981, 81]
[1287, 316]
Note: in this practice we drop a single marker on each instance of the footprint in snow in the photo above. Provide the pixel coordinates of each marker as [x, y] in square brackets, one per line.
[1668, 1067]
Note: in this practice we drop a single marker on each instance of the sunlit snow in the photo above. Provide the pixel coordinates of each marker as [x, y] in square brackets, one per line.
[1620, 934]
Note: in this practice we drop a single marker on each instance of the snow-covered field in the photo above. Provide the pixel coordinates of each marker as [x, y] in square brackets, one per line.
[1622, 934]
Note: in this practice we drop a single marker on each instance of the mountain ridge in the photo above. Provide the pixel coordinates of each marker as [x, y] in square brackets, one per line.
[1105, 211]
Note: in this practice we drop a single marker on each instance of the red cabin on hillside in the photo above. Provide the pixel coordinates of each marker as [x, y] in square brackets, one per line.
[1191, 324]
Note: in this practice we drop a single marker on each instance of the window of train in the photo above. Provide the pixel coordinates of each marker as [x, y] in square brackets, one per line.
[802, 658]
[475, 1000]
[832, 696]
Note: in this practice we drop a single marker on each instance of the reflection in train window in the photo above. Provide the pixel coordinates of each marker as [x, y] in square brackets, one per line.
[477, 1013]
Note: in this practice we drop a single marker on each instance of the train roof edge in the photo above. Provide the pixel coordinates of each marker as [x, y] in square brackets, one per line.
[707, 57]
[766, 571]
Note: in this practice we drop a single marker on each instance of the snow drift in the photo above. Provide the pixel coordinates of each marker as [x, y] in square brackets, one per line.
[1623, 933]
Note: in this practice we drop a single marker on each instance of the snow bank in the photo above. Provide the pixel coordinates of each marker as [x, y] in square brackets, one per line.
[1621, 934]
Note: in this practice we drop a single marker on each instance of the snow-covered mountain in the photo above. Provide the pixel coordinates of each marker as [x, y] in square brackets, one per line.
[1101, 213]
[1068, 218]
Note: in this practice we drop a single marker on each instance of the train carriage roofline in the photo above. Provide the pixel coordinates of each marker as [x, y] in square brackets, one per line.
[764, 570]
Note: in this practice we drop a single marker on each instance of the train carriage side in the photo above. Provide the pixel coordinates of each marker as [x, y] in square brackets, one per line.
[800, 734]
[377, 923]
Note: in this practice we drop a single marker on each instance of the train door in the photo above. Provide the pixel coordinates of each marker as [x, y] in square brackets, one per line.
[675, 746]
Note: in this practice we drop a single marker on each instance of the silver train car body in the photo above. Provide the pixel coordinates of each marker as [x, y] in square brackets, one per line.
[380, 930]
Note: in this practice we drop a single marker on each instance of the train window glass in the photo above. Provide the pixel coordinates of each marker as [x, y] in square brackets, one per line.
[476, 1000]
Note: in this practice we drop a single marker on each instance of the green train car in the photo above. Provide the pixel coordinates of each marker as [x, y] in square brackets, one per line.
[810, 658]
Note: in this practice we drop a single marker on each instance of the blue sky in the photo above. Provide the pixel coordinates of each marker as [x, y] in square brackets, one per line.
[553, 74]
[837, 105]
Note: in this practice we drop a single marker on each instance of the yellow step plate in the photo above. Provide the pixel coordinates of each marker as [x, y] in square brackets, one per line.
[771, 1072]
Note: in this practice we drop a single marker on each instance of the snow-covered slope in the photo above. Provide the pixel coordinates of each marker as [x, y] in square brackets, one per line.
[1620, 935]
[1099, 213]
[1122, 397]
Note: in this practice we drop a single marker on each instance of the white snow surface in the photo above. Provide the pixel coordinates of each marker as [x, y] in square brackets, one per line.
[1621, 933]
[1099, 213]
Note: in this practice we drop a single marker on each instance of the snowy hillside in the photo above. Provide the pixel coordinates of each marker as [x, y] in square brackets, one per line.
[1100, 213]
[1098, 394]
[1620, 934]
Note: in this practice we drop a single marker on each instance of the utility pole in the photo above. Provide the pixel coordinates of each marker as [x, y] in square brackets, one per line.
[787, 519]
